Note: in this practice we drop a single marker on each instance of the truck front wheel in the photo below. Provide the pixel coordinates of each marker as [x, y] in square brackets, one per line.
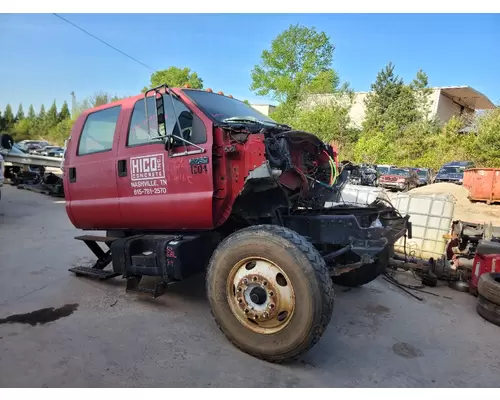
[270, 292]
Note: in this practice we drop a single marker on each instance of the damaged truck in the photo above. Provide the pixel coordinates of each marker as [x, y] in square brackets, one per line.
[188, 181]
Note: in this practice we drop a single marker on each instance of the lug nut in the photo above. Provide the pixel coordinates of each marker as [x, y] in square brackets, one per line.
[271, 305]
[265, 315]
[264, 283]
[254, 279]
[271, 294]
[239, 288]
[245, 281]
[246, 310]
[240, 300]
[255, 317]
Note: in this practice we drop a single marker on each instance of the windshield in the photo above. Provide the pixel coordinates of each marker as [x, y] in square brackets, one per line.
[422, 173]
[451, 170]
[383, 170]
[220, 107]
[400, 172]
[16, 149]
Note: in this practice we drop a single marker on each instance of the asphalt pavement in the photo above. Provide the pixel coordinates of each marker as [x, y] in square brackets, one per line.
[99, 336]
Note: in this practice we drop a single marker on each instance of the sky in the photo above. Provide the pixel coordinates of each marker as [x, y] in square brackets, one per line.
[44, 58]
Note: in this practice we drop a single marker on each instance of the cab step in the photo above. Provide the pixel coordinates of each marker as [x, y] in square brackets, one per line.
[94, 272]
[133, 286]
[93, 238]
[103, 257]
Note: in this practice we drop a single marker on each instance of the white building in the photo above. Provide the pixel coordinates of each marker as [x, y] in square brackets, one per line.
[265, 109]
[445, 102]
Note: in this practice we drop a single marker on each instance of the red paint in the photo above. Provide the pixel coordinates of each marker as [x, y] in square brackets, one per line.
[170, 253]
[392, 178]
[483, 264]
[483, 184]
[100, 199]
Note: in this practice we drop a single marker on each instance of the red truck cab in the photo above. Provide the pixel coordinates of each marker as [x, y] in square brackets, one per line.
[119, 175]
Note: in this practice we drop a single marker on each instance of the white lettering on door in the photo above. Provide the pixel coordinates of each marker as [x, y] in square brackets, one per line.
[147, 167]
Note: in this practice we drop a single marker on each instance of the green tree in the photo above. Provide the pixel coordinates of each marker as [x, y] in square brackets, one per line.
[325, 82]
[20, 113]
[60, 132]
[374, 147]
[175, 77]
[52, 114]
[22, 130]
[329, 121]
[299, 58]
[384, 91]
[420, 86]
[42, 114]
[31, 113]
[8, 118]
[96, 100]
[392, 106]
[486, 146]
[64, 113]
[397, 128]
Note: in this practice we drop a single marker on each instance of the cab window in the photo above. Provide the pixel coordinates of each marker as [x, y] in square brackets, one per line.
[191, 127]
[138, 131]
[99, 131]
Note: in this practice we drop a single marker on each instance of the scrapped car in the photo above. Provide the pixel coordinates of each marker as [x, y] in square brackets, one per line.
[384, 168]
[399, 179]
[43, 151]
[424, 176]
[54, 152]
[33, 146]
[362, 174]
[453, 172]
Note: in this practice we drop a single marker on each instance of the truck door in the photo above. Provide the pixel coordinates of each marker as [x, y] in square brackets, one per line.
[90, 172]
[161, 192]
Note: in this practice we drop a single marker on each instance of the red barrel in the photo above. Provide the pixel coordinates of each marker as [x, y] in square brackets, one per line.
[483, 184]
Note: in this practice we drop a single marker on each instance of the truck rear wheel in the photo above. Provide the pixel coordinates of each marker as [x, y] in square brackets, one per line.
[364, 274]
[359, 276]
[255, 277]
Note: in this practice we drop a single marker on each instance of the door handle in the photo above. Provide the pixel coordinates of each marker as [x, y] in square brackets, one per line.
[72, 174]
[122, 168]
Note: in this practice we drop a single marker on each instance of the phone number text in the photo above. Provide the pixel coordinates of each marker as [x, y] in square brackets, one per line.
[149, 191]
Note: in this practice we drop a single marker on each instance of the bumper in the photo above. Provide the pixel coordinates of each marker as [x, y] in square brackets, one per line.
[456, 181]
[392, 185]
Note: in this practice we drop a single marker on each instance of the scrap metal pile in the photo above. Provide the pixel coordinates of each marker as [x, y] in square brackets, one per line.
[27, 171]
[361, 174]
[46, 183]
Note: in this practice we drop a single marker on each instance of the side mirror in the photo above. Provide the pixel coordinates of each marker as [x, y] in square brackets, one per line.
[169, 143]
[160, 114]
[6, 141]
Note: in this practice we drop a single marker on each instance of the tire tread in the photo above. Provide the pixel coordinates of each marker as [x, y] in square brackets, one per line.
[320, 270]
[489, 288]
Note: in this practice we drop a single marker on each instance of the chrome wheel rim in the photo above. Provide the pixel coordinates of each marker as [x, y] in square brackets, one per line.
[260, 295]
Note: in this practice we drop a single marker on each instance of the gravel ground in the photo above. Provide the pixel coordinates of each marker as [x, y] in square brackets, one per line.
[465, 209]
[379, 336]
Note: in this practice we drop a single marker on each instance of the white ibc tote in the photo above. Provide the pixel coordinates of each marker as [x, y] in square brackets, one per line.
[431, 217]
